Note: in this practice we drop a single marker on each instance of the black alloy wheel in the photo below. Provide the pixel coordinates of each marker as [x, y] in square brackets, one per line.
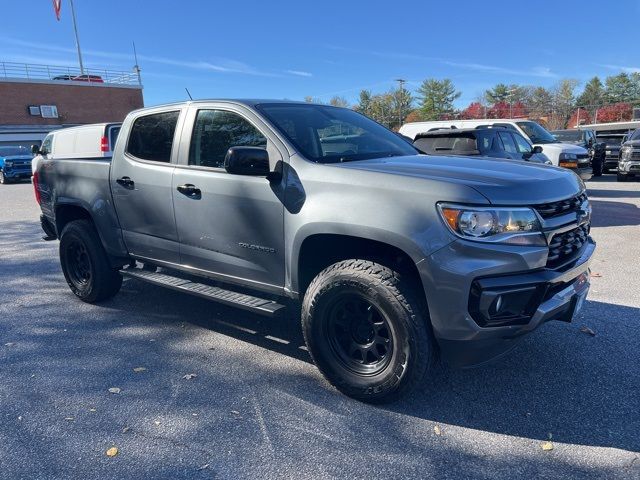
[360, 336]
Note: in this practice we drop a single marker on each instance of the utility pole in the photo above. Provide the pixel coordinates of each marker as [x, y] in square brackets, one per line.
[75, 29]
[136, 67]
[401, 83]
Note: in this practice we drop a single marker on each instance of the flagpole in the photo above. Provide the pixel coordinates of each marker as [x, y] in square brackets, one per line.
[75, 28]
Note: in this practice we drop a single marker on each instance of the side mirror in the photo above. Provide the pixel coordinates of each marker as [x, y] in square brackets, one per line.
[536, 149]
[35, 150]
[247, 161]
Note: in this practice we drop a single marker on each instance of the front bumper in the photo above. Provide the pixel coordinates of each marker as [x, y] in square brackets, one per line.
[450, 275]
[631, 167]
[611, 164]
[13, 173]
[585, 173]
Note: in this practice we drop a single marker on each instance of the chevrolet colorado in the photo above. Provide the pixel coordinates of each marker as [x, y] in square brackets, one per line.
[393, 257]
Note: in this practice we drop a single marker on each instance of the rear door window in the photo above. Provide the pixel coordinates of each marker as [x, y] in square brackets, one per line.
[151, 136]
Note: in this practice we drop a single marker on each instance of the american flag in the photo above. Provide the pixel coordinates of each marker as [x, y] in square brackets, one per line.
[57, 4]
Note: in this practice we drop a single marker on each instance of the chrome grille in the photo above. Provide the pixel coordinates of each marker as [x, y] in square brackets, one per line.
[553, 209]
[563, 247]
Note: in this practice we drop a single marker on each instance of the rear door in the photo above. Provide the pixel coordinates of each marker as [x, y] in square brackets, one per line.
[233, 228]
[141, 176]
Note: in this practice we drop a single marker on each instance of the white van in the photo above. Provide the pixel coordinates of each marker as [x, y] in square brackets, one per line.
[560, 154]
[86, 141]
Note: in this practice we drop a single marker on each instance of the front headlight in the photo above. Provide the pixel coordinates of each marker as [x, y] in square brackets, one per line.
[8, 163]
[626, 153]
[568, 156]
[514, 226]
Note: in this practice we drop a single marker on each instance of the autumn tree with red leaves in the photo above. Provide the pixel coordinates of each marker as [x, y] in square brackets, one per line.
[618, 112]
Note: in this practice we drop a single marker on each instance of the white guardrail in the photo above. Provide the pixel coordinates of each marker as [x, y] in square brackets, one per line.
[30, 71]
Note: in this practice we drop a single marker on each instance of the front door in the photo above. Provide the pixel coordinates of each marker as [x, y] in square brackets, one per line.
[141, 177]
[228, 225]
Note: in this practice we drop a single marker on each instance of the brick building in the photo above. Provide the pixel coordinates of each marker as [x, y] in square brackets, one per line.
[32, 102]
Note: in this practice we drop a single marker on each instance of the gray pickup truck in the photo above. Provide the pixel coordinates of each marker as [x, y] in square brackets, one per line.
[393, 258]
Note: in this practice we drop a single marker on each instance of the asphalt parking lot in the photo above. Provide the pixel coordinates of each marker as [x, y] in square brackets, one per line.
[257, 407]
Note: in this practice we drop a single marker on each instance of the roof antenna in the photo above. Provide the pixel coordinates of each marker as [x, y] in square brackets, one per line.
[190, 97]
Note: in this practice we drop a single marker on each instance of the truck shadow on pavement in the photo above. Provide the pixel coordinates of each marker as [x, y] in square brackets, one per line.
[579, 388]
[614, 214]
[59, 356]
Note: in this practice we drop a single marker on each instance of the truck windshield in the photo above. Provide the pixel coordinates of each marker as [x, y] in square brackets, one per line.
[568, 135]
[610, 139]
[327, 134]
[11, 151]
[536, 133]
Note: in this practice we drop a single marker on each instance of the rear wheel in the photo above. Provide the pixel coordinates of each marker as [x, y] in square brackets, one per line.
[367, 331]
[85, 264]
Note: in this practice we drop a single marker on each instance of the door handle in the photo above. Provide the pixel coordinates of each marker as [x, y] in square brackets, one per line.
[189, 190]
[125, 182]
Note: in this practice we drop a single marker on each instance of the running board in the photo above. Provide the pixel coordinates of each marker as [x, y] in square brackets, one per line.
[226, 297]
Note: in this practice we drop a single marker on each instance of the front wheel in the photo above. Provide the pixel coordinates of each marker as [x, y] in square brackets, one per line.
[367, 331]
[85, 264]
[3, 180]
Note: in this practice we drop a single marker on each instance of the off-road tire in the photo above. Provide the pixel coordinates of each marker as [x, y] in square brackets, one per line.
[413, 350]
[85, 264]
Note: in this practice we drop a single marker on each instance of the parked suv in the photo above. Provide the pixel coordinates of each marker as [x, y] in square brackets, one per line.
[481, 141]
[560, 154]
[390, 256]
[586, 139]
[629, 163]
[15, 163]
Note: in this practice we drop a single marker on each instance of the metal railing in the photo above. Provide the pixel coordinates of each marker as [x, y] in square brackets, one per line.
[31, 71]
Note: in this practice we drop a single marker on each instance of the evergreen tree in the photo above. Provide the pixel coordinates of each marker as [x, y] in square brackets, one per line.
[592, 96]
[436, 98]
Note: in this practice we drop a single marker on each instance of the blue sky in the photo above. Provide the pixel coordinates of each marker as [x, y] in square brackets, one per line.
[290, 49]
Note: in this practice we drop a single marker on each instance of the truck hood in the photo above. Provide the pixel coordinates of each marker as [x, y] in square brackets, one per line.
[562, 148]
[505, 182]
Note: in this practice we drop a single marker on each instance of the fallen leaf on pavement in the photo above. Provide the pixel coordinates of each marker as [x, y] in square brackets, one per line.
[69, 419]
[92, 409]
[189, 376]
[139, 369]
[596, 275]
[126, 429]
[112, 452]
[437, 430]
[9, 344]
[546, 446]
[235, 412]
[156, 422]
[114, 390]
[588, 331]
[203, 467]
